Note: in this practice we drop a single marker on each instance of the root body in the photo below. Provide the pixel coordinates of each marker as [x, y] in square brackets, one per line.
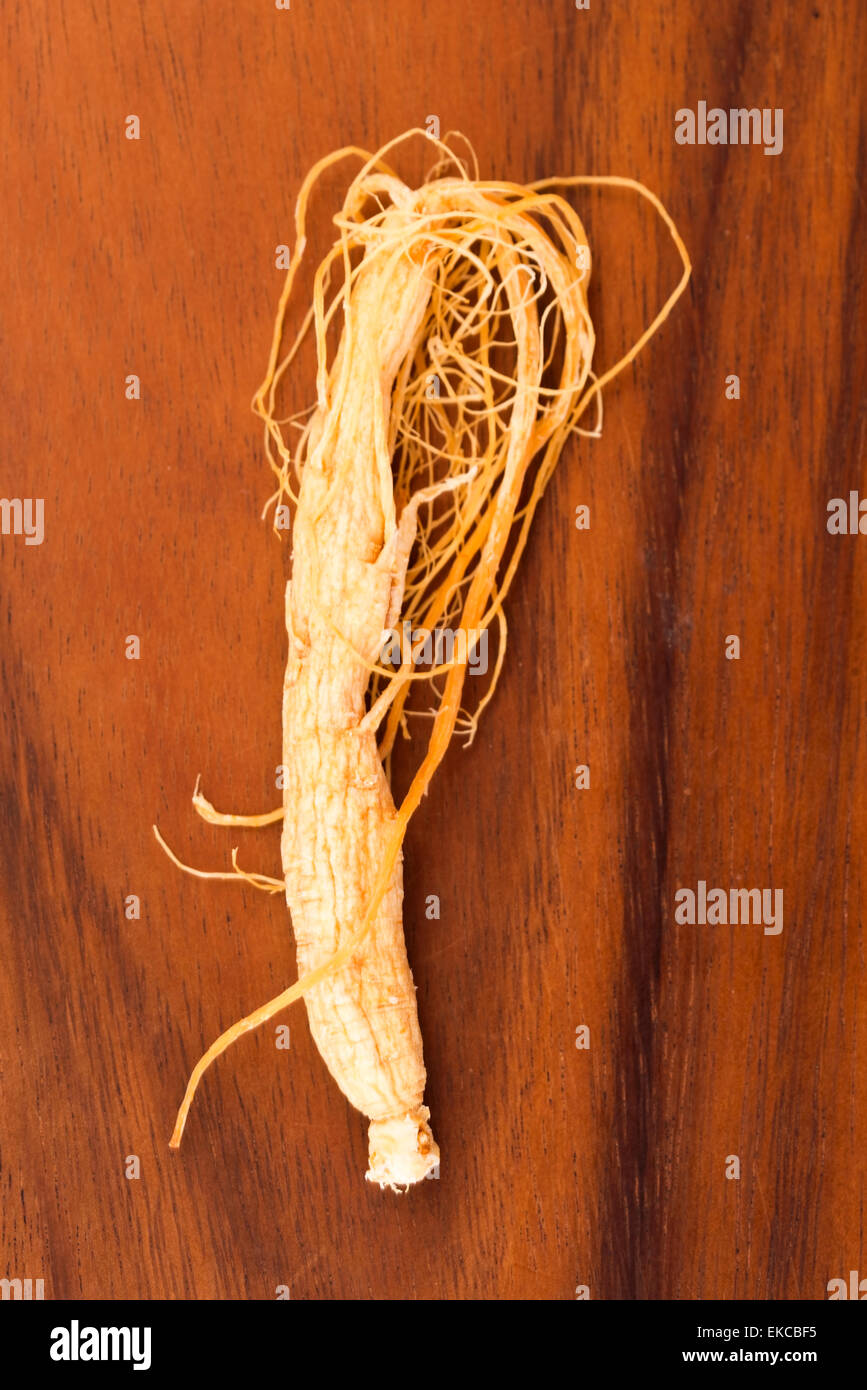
[338, 810]
[462, 366]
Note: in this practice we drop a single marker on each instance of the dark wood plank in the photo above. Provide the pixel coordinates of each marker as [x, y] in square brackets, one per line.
[156, 257]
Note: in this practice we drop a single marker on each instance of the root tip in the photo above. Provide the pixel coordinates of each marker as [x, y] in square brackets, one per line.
[402, 1150]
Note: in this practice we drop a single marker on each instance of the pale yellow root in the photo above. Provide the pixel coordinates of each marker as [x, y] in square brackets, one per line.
[464, 357]
[207, 812]
[350, 553]
[269, 885]
[402, 1150]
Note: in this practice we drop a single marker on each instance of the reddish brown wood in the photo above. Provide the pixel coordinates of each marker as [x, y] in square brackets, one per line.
[156, 257]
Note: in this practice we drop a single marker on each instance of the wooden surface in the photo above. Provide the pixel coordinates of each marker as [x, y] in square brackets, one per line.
[561, 1167]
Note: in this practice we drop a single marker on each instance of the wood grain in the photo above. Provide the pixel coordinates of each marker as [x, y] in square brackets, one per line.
[156, 257]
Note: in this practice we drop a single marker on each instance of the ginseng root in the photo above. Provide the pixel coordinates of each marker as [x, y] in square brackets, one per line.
[462, 365]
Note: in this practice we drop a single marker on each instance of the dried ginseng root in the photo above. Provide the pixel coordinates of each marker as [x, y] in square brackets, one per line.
[462, 364]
